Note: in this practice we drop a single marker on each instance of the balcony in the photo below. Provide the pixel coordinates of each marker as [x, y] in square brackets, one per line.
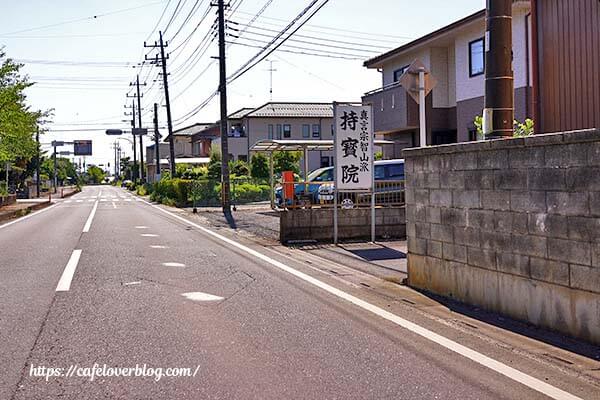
[393, 110]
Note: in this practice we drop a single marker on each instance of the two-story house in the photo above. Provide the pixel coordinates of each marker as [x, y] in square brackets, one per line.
[454, 55]
[277, 120]
[182, 139]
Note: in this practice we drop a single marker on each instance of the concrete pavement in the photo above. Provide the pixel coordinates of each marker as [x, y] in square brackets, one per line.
[279, 326]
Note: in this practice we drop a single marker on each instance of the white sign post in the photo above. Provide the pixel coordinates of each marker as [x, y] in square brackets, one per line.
[418, 82]
[354, 156]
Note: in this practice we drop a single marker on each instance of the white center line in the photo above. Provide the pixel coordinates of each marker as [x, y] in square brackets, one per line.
[488, 362]
[64, 284]
[114, 205]
[88, 223]
[149, 235]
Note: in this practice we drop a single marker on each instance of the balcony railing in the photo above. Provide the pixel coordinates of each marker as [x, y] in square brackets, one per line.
[392, 110]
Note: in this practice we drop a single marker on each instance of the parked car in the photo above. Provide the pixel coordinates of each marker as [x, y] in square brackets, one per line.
[385, 170]
[315, 179]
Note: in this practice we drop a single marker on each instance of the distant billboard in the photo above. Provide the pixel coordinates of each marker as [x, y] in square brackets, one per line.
[82, 147]
[114, 132]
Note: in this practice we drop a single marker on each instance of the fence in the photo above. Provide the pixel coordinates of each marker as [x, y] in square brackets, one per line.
[387, 194]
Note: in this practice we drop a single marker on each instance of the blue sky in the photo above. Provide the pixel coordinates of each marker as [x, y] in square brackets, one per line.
[105, 39]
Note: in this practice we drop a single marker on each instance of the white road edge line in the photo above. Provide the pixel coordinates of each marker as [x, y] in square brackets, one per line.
[64, 284]
[488, 362]
[88, 223]
[28, 216]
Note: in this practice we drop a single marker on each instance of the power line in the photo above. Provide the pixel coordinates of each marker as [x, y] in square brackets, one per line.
[326, 39]
[333, 46]
[159, 20]
[71, 63]
[174, 15]
[265, 51]
[92, 17]
[305, 53]
[72, 36]
[378, 35]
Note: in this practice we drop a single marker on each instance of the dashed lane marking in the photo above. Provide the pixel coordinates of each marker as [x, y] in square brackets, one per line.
[173, 264]
[64, 284]
[488, 362]
[199, 296]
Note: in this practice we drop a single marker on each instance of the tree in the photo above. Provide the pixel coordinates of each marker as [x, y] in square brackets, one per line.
[126, 166]
[95, 174]
[18, 123]
[239, 168]
[64, 168]
[286, 161]
[259, 166]
[214, 166]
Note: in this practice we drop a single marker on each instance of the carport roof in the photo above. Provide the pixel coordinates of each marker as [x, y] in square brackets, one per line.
[268, 145]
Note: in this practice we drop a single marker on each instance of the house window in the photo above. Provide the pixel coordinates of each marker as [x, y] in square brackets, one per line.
[287, 131]
[476, 58]
[270, 131]
[324, 162]
[316, 131]
[332, 130]
[398, 73]
[279, 130]
[305, 131]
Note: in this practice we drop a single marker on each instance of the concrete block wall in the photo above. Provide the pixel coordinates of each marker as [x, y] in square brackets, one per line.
[353, 224]
[511, 225]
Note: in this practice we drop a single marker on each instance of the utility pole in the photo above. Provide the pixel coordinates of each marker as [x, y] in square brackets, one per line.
[225, 200]
[133, 169]
[156, 144]
[271, 70]
[163, 62]
[55, 169]
[37, 163]
[139, 113]
[498, 114]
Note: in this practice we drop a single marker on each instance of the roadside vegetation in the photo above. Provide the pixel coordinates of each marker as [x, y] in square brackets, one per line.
[201, 186]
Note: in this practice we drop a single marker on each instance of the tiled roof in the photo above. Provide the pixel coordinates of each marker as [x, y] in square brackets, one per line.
[190, 130]
[241, 113]
[293, 110]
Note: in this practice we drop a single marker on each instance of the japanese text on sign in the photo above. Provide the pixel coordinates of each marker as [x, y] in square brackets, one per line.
[353, 147]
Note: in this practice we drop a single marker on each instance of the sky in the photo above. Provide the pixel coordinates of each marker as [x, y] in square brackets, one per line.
[84, 55]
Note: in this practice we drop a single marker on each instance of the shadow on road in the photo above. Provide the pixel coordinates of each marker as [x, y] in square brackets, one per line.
[230, 220]
[379, 254]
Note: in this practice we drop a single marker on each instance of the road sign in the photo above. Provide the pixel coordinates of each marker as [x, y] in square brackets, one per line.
[353, 147]
[64, 153]
[56, 143]
[82, 147]
[139, 131]
[114, 132]
[410, 80]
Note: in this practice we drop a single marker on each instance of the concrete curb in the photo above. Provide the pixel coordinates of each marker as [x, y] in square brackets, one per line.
[24, 211]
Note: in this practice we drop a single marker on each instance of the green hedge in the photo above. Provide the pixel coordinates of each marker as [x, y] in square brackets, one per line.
[205, 192]
[176, 190]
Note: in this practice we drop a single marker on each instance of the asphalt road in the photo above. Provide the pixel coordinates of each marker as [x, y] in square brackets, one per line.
[141, 295]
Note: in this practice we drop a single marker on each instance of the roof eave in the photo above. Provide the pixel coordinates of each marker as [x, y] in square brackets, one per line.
[376, 62]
